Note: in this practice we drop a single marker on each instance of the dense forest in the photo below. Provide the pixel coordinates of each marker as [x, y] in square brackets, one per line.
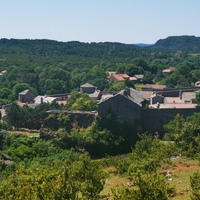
[49, 156]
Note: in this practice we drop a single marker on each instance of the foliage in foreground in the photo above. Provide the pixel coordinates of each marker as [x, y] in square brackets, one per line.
[195, 185]
[81, 179]
[185, 132]
[145, 187]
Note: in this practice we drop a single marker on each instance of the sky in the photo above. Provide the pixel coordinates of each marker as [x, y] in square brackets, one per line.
[125, 21]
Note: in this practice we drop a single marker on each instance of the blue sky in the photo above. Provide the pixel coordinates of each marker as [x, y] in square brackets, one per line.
[126, 21]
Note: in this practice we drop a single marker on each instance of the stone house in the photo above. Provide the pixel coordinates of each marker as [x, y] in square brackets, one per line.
[91, 90]
[25, 96]
[87, 88]
[126, 105]
[156, 98]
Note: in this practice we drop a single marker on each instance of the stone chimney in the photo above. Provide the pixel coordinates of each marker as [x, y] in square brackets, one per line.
[127, 92]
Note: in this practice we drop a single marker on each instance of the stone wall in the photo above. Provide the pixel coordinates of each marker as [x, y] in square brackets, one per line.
[124, 109]
[176, 92]
[153, 120]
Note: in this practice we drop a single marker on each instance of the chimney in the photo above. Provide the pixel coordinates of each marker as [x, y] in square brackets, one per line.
[127, 92]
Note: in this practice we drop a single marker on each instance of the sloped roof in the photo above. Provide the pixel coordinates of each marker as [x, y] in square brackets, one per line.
[154, 86]
[131, 94]
[173, 100]
[188, 96]
[169, 70]
[139, 76]
[111, 73]
[95, 94]
[133, 78]
[39, 99]
[197, 83]
[146, 94]
[157, 95]
[125, 75]
[118, 77]
[87, 85]
[24, 92]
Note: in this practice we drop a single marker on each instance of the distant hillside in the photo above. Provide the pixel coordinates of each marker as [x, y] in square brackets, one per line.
[24, 51]
[143, 44]
[51, 47]
[178, 43]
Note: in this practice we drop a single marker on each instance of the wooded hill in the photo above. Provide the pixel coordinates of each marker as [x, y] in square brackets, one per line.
[178, 43]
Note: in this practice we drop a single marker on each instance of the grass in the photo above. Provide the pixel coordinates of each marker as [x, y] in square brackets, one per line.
[180, 168]
[32, 134]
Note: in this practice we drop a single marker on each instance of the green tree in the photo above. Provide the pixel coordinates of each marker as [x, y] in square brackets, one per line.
[195, 185]
[76, 180]
[185, 133]
[5, 93]
[148, 78]
[117, 86]
[145, 187]
[15, 116]
[19, 87]
[198, 97]
[81, 101]
[149, 154]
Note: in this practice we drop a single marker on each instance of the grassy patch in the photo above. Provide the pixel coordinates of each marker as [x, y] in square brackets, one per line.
[32, 134]
[180, 170]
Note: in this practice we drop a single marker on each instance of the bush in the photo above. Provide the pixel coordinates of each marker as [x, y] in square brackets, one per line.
[145, 187]
[195, 185]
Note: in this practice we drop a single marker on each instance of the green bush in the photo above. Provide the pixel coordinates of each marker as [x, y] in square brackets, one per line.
[195, 185]
[145, 187]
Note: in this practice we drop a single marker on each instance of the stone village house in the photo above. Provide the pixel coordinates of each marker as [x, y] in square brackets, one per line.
[132, 107]
[127, 105]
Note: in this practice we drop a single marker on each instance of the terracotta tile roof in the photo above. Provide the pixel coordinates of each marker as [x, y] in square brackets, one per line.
[118, 77]
[125, 75]
[173, 100]
[154, 86]
[22, 104]
[62, 102]
[111, 73]
[147, 94]
[168, 70]
[133, 78]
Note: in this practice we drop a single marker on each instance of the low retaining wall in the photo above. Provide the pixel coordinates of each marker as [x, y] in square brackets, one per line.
[153, 120]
